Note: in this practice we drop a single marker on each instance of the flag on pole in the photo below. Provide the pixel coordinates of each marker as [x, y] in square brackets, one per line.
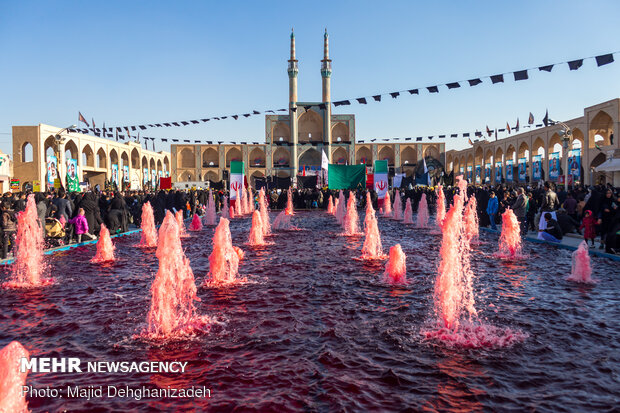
[428, 176]
[236, 178]
[324, 166]
[381, 178]
[82, 119]
[530, 120]
[508, 127]
[93, 122]
[489, 132]
[517, 127]
[470, 142]
[495, 133]
[546, 118]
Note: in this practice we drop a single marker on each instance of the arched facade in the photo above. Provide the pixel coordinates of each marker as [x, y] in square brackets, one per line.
[310, 127]
[363, 155]
[386, 153]
[340, 133]
[340, 156]
[210, 158]
[233, 154]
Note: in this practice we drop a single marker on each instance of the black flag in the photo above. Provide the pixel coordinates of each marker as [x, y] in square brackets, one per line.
[546, 118]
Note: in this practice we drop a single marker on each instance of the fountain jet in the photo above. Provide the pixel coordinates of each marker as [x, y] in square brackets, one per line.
[148, 238]
[105, 247]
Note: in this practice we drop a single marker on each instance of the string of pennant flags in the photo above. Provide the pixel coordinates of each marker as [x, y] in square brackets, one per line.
[119, 132]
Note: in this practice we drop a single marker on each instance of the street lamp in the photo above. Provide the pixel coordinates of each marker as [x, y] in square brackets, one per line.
[567, 140]
[59, 140]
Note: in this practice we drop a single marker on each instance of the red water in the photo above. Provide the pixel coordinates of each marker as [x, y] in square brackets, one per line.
[225, 210]
[12, 379]
[196, 224]
[283, 222]
[398, 207]
[341, 208]
[210, 214]
[330, 205]
[181, 224]
[408, 216]
[105, 247]
[250, 199]
[581, 270]
[471, 220]
[441, 206]
[387, 205]
[173, 292]
[238, 205]
[396, 267]
[224, 260]
[264, 213]
[510, 238]
[289, 202]
[148, 236]
[422, 217]
[29, 267]
[350, 222]
[256, 232]
[372, 248]
[313, 330]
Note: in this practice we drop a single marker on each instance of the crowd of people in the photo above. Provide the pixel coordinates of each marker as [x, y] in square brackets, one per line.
[65, 217]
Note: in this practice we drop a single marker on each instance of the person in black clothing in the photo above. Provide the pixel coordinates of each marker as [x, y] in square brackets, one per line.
[8, 222]
[92, 212]
[553, 232]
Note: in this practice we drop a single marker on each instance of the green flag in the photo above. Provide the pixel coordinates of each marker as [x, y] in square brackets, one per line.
[346, 176]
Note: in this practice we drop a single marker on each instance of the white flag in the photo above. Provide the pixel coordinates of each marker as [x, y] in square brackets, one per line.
[324, 161]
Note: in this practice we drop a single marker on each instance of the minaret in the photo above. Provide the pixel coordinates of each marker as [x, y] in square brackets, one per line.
[292, 92]
[326, 72]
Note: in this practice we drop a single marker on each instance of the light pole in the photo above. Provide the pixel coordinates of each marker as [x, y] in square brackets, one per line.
[567, 140]
[59, 140]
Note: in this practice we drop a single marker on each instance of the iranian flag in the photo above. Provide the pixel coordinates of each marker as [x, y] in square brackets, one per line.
[381, 178]
[236, 180]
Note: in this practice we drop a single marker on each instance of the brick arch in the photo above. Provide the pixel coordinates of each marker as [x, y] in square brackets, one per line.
[601, 128]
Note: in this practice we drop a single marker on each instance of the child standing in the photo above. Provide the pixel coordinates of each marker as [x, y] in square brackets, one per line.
[81, 226]
[589, 223]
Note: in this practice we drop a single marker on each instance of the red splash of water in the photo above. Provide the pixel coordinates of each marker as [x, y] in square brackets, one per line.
[181, 224]
[396, 267]
[581, 270]
[105, 247]
[441, 206]
[510, 238]
[264, 212]
[372, 248]
[250, 200]
[224, 260]
[225, 210]
[398, 207]
[173, 292]
[12, 379]
[29, 266]
[387, 205]
[283, 222]
[256, 232]
[340, 208]
[238, 204]
[148, 238]
[475, 336]
[210, 215]
[330, 205]
[289, 202]
[350, 222]
[408, 217]
[422, 217]
[471, 220]
[196, 224]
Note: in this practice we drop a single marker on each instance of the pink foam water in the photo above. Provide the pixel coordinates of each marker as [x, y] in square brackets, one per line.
[396, 267]
[408, 217]
[181, 224]
[350, 223]
[330, 205]
[29, 266]
[264, 212]
[148, 237]
[372, 248]
[510, 238]
[256, 232]
[250, 199]
[341, 208]
[441, 206]
[471, 220]
[210, 215]
[475, 336]
[105, 247]
[224, 260]
[196, 224]
[283, 222]
[173, 292]
[239, 204]
[231, 211]
[581, 270]
[398, 207]
[225, 210]
[335, 206]
[422, 217]
[387, 205]
[289, 202]
[12, 379]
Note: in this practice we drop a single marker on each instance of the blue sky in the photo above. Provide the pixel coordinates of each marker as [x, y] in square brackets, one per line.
[132, 62]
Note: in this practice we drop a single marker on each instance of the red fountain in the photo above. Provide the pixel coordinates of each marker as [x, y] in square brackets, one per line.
[422, 218]
[105, 247]
[225, 210]
[441, 206]
[510, 238]
[12, 380]
[224, 260]
[238, 204]
[396, 267]
[372, 248]
[29, 264]
[196, 224]
[264, 213]
[398, 207]
[256, 232]
[250, 199]
[408, 217]
[181, 224]
[289, 202]
[148, 238]
[351, 219]
[581, 270]
[471, 220]
[340, 208]
[173, 291]
[283, 221]
[210, 214]
[330, 205]
[387, 205]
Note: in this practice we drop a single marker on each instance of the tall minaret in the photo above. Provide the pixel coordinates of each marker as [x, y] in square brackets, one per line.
[292, 108]
[326, 72]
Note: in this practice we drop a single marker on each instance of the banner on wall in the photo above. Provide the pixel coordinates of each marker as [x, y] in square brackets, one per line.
[498, 172]
[487, 173]
[509, 170]
[537, 167]
[52, 169]
[381, 178]
[478, 174]
[145, 176]
[73, 180]
[462, 170]
[554, 166]
[574, 164]
[125, 173]
[153, 178]
[469, 173]
[115, 173]
[522, 169]
[236, 178]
